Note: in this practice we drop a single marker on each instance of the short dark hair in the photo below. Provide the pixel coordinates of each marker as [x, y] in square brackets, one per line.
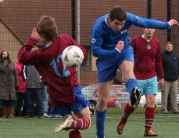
[117, 13]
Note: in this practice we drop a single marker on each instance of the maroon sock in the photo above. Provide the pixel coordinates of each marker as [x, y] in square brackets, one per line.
[127, 111]
[149, 118]
[74, 134]
[82, 123]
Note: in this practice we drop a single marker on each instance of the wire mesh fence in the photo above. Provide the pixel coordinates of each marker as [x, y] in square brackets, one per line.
[76, 18]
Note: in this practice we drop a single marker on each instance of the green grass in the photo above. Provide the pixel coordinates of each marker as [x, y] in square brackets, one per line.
[166, 126]
[137, 111]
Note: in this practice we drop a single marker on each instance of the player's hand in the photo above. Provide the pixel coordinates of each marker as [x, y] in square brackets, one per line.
[34, 34]
[173, 22]
[120, 46]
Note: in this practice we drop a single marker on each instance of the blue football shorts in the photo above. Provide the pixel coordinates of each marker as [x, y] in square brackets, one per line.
[148, 86]
[79, 103]
[107, 68]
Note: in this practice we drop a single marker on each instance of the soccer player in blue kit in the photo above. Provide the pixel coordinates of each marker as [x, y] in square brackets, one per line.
[110, 44]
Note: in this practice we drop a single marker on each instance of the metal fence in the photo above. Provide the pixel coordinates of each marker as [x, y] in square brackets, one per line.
[76, 18]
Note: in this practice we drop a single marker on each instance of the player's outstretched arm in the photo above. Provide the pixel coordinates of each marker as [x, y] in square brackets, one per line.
[173, 22]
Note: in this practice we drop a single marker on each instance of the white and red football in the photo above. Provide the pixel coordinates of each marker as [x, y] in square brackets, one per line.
[72, 56]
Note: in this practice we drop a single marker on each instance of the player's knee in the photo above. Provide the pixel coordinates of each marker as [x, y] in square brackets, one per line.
[127, 70]
[102, 101]
[86, 123]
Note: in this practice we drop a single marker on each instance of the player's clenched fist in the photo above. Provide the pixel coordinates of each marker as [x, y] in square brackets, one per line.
[173, 22]
[120, 46]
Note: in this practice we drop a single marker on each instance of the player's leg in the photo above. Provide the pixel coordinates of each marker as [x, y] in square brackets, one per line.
[131, 82]
[75, 134]
[81, 109]
[150, 93]
[106, 73]
[82, 122]
[125, 61]
[127, 66]
[128, 110]
[101, 107]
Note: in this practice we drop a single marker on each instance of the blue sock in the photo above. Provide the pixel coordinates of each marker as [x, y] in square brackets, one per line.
[100, 120]
[130, 84]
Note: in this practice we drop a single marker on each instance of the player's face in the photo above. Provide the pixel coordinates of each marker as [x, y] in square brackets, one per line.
[148, 32]
[116, 25]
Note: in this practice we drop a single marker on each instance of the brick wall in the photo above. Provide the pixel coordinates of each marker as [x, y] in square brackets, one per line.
[22, 15]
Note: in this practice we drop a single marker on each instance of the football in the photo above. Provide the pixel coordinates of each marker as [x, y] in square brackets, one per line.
[72, 56]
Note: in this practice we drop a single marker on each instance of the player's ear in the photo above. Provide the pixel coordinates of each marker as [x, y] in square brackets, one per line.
[108, 19]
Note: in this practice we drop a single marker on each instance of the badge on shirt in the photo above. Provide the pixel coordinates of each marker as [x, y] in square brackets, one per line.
[93, 40]
[148, 46]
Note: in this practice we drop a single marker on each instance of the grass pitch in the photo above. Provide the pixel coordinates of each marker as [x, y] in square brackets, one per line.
[165, 125]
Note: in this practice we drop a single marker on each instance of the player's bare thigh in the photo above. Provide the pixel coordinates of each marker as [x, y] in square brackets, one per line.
[103, 95]
[127, 68]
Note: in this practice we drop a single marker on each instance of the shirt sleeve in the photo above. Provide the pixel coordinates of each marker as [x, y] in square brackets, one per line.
[147, 23]
[25, 55]
[159, 67]
[96, 43]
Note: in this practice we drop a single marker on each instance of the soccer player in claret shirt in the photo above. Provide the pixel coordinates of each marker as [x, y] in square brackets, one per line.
[63, 86]
[148, 66]
[110, 44]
